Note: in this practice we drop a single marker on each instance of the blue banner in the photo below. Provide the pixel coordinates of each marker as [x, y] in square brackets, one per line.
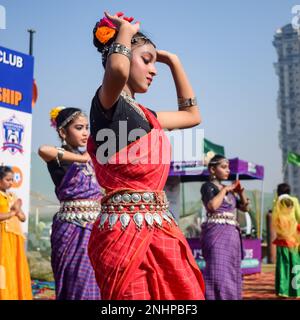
[16, 80]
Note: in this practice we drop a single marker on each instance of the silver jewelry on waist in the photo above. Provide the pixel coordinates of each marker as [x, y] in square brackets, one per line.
[141, 208]
[140, 219]
[222, 218]
[135, 197]
[80, 211]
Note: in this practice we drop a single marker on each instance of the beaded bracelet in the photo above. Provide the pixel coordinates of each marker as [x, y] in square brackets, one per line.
[119, 48]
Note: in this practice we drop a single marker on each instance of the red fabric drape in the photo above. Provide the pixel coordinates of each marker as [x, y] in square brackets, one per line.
[142, 264]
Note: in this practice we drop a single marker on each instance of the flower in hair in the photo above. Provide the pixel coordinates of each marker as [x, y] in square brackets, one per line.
[209, 155]
[54, 113]
[106, 30]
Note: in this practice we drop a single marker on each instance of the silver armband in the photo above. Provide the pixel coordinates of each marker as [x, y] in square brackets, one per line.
[60, 154]
[187, 102]
[119, 48]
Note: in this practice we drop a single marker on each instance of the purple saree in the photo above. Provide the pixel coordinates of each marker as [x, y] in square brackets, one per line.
[222, 250]
[79, 195]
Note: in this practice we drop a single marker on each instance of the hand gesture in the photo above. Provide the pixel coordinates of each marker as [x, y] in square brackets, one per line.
[17, 205]
[119, 21]
[13, 212]
[231, 188]
[164, 56]
[238, 187]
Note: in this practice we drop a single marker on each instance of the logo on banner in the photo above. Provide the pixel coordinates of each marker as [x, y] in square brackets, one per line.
[18, 177]
[13, 132]
[252, 167]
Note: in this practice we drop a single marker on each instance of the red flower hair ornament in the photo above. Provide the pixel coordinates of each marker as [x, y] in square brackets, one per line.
[106, 29]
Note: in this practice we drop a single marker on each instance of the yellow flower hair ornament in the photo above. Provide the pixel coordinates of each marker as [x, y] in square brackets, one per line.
[53, 115]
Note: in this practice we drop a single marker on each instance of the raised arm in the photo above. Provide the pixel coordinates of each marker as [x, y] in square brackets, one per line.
[48, 153]
[117, 65]
[186, 117]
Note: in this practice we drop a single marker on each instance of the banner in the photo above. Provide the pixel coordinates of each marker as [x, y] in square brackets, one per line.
[16, 80]
[252, 255]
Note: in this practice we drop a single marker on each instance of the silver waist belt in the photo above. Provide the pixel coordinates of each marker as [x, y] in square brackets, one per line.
[140, 219]
[222, 218]
[142, 208]
[80, 211]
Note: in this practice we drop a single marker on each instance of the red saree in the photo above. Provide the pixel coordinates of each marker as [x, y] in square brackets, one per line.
[146, 264]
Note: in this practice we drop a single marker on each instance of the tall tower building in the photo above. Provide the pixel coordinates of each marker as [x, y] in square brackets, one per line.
[287, 43]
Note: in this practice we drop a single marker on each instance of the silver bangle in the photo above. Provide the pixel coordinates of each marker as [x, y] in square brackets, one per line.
[187, 102]
[119, 48]
[60, 154]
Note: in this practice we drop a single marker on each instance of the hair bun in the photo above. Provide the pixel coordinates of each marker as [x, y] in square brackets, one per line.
[54, 114]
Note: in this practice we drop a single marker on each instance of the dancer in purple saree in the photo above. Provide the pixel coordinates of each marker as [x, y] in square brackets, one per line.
[220, 235]
[79, 194]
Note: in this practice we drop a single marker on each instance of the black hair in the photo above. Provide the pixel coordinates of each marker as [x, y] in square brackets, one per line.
[138, 38]
[4, 170]
[215, 160]
[283, 188]
[64, 114]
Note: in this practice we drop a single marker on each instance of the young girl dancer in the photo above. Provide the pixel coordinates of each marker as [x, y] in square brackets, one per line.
[79, 194]
[136, 248]
[220, 235]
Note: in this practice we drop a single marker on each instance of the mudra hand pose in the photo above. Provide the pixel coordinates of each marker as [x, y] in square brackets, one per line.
[220, 235]
[136, 247]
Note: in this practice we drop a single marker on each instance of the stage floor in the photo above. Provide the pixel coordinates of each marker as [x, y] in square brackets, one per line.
[259, 286]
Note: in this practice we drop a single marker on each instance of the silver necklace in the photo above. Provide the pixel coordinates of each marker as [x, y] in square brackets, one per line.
[134, 105]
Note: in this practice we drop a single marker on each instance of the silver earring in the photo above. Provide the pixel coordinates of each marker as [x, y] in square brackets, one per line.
[64, 143]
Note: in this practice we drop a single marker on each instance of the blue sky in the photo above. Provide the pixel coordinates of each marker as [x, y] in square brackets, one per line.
[225, 46]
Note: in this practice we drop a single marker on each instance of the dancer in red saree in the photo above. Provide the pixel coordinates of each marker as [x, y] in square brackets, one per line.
[136, 247]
